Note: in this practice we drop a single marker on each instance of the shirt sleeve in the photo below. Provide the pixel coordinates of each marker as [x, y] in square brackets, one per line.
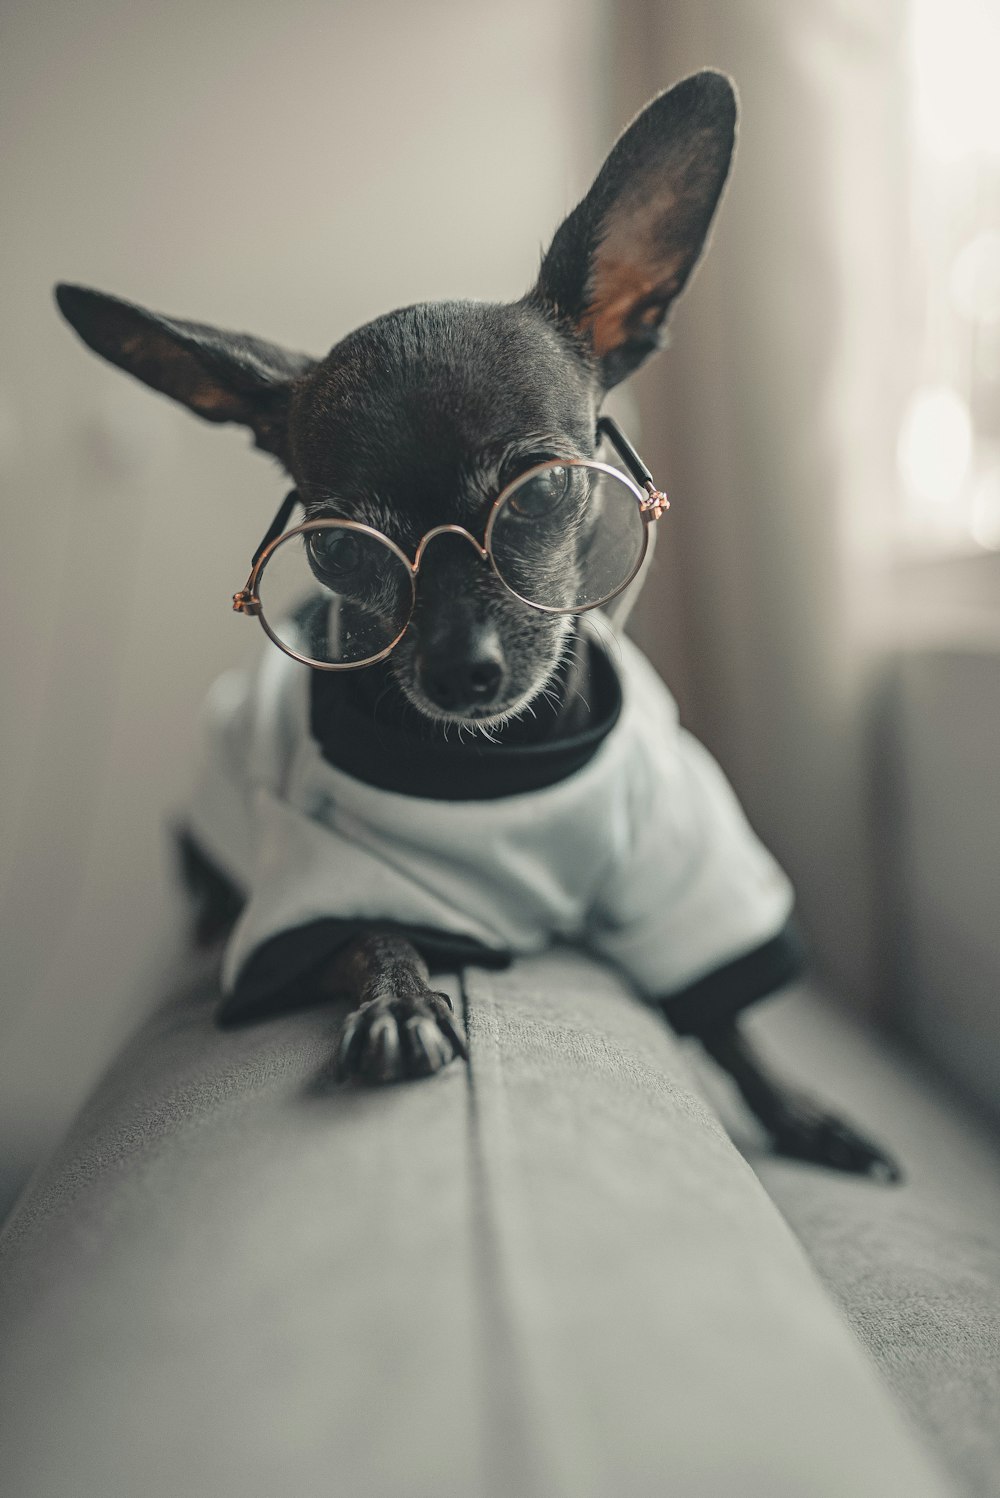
[720, 995]
[697, 913]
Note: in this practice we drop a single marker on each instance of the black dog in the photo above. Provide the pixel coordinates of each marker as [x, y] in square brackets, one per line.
[399, 443]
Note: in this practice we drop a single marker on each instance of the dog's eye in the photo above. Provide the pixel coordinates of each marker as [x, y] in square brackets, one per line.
[543, 494]
[336, 554]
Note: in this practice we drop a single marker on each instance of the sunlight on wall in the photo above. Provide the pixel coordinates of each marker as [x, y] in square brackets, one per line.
[949, 445]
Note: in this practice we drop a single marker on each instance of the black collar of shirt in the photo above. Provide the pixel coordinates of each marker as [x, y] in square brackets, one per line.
[420, 762]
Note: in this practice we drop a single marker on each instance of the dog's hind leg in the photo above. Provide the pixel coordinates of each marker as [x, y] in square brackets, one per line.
[401, 1028]
[799, 1127]
[215, 900]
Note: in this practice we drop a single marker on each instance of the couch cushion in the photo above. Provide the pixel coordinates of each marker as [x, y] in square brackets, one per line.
[549, 1273]
[915, 1268]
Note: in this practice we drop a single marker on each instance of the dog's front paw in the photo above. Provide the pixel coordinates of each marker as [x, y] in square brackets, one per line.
[387, 1040]
[802, 1131]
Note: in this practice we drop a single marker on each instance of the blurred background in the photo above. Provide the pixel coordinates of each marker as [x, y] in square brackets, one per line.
[826, 597]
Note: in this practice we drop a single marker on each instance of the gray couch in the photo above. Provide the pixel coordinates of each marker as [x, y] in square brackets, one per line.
[549, 1273]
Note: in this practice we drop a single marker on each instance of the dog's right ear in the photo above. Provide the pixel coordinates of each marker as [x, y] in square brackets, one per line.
[622, 256]
[220, 376]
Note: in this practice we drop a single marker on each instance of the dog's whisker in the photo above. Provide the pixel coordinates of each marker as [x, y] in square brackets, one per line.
[379, 700]
[609, 639]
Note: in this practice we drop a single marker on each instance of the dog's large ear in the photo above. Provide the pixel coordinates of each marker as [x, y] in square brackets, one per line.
[220, 376]
[623, 254]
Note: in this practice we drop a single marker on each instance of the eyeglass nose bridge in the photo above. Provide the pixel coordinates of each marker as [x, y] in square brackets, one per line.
[448, 530]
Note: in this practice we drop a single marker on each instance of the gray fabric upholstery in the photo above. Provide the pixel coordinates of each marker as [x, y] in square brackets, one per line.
[916, 1269]
[550, 1273]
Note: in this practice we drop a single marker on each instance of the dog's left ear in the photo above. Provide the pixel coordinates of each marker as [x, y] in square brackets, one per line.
[220, 376]
[624, 253]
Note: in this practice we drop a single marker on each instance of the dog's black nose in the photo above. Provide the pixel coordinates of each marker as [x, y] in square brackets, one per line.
[457, 683]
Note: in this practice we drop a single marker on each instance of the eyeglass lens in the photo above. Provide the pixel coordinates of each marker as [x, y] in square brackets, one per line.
[568, 537]
[335, 595]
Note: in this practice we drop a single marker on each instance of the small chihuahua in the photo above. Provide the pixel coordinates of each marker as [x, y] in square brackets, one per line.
[444, 762]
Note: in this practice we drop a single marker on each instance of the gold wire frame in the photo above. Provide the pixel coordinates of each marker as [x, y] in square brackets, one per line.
[650, 502]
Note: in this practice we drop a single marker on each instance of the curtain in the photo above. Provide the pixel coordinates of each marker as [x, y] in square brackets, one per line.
[772, 420]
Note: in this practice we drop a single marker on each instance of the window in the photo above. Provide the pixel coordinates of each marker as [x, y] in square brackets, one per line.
[949, 441]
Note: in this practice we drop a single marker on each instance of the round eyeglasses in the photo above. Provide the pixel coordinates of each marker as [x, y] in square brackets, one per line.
[564, 537]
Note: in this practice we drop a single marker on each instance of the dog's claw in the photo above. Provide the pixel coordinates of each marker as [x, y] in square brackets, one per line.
[452, 1027]
[390, 1039]
[381, 1058]
[347, 1050]
[428, 1052]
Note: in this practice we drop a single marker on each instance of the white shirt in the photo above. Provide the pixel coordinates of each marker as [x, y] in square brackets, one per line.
[644, 854]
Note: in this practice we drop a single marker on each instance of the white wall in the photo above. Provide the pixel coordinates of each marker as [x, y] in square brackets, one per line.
[289, 170]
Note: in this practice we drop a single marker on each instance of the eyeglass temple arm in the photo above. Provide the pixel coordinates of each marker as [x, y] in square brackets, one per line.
[277, 525]
[245, 601]
[608, 427]
[657, 501]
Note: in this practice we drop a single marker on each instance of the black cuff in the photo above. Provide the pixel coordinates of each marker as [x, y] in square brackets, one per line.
[721, 994]
[281, 973]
